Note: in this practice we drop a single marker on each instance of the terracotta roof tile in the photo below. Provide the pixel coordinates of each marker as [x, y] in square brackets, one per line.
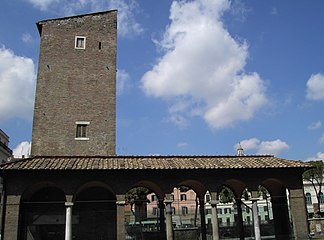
[150, 162]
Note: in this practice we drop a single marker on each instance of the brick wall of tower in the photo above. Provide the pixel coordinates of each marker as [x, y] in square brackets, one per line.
[76, 85]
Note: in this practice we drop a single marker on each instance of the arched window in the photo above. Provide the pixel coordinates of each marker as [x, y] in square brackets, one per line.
[308, 199]
[95, 211]
[43, 215]
[321, 198]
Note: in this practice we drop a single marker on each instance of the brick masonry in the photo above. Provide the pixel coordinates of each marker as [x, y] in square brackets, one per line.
[76, 85]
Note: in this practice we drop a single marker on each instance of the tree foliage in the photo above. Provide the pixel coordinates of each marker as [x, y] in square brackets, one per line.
[226, 195]
[136, 194]
[315, 177]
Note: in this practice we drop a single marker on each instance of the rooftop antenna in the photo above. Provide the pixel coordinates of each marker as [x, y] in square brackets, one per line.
[240, 150]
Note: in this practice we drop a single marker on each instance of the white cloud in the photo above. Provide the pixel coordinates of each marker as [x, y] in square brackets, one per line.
[204, 66]
[274, 147]
[274, 11]
[318, 156]
[122, 81]
[315, 125]
[127, 25]
[182, 145]
[249, 144]
[127, 9]
[321, 140]
[27, 38]
[315, 87]
[23, 149]
[17, 81]
[43, 4]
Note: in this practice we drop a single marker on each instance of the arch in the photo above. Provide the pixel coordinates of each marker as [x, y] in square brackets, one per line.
[150, 185]
[274, 186]
[31, 190]
[237, 186]
[195, 185]
[92, 184]
[94, 211]
[42, 212]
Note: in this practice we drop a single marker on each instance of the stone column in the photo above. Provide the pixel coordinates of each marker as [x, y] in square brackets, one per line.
[238, 203]
[68, 221]
[162, 219]
[168, 217]
[256, 222]
[202, 218]
[120, 217]
[11, 218]
[298, 213]
[214, 219]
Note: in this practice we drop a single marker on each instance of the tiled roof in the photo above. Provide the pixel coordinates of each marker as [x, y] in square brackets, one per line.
[151, 162]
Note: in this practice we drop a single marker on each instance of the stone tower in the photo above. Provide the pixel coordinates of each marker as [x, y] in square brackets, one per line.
[75, 104]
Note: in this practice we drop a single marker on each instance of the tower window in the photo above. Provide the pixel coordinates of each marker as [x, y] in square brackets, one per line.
[81, 131]
[80, 42]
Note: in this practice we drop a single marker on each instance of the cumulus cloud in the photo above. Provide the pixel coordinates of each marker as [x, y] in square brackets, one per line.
[274, 147]
[315, 125]
[315, 87]
[23, 149]
[203, 68]
[17, 85]
[127, 9]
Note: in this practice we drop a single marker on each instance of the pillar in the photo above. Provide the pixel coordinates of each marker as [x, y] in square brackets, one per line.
[214, 219]
[168, 217]
[298, 213]
[162, 219]
[11, 217]
[238, 203]
[202, 218]
[68, 221]
[120, 216]
[256, 222]
[281, 215]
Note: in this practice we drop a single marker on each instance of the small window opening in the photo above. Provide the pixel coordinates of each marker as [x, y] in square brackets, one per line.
[80, 42]
[81, 131]
[99, 45]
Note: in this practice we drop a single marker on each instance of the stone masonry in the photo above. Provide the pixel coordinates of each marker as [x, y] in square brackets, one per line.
[76, 86]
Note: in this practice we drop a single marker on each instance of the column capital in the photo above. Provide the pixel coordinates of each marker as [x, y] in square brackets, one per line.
[69, 204]
[121, 202]
[214, 202]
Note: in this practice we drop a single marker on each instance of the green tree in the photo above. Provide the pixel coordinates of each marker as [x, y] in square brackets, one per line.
[315, 177]
[226, 195]
[136, 196]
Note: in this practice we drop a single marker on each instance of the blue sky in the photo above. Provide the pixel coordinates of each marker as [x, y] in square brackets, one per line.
[194, 77]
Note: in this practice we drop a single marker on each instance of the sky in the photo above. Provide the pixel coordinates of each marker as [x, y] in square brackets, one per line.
[194, 77]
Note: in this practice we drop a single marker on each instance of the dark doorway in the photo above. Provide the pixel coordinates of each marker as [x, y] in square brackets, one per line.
[94, 215]
[43, 215]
